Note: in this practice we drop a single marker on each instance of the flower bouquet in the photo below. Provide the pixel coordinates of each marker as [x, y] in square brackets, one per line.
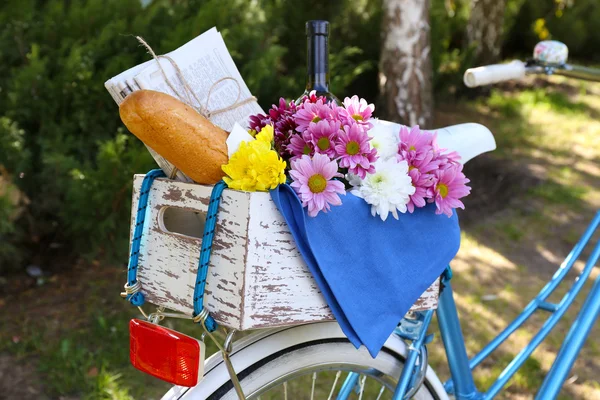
[324, 150]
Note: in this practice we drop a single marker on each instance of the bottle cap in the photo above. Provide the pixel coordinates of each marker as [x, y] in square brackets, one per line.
[317, 27]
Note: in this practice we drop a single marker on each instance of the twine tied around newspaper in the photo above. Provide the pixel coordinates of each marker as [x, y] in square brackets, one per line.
[189, 93]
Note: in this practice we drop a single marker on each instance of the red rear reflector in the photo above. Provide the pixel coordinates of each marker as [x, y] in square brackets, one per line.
[165, 354]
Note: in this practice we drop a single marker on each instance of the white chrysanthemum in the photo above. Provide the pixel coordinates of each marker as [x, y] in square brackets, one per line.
[384, 138]
[353, 180]
[387, 190]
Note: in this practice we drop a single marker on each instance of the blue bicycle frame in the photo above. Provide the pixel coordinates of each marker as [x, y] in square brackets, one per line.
[462, 385]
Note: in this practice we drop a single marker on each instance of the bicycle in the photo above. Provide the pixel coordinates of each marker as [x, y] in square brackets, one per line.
[273, 361]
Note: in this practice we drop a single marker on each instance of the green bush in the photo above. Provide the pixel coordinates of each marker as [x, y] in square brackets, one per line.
[62, 143]
[9, 252]
[61, 140]
[13, 156]
[571, 22]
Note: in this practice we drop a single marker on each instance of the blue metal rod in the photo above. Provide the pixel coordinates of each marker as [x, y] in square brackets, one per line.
[539, 301]
[461, 384]
[413, 353]
[550, 307]
[564, 304]
[348, 386]
[572, 345]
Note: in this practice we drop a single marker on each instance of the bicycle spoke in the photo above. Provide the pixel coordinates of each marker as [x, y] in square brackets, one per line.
[362, 387]
[337, 377]
[380, 393]
[312, 390]
[327, 381]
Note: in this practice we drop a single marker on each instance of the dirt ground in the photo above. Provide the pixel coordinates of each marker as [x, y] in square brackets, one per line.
[19, 380]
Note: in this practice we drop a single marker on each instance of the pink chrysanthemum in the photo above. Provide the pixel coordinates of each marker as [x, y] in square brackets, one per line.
[414, 144]
[313, 98]
[259, 121]
[417, 148]
[422, 184]
[444, 158]
[301, 144]
[356, 111]
[311, 112]
[281, 117]
[421, 172]
[426, 162]
[450, 186]
[324, 136]
[313, 182]
[285, 128]
[355, 152]
[452, 157]
[448, 160]
[283, 108]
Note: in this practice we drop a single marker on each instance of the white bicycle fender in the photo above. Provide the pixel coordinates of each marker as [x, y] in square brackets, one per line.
[262, 344]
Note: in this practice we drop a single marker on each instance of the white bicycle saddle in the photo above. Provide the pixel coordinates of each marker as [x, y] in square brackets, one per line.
[469, 140]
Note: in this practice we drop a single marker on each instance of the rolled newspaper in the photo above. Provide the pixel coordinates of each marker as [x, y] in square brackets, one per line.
[208, 69]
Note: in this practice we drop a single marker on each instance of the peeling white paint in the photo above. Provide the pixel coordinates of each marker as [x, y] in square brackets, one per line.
[257, 277]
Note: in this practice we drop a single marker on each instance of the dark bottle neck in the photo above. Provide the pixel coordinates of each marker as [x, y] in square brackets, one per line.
[317, 67]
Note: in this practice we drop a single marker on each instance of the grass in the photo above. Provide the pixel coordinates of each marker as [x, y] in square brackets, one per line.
[511, 230]
[557, 194]
[527, 379]
[81, 349]
[89, 359]
[72, 330]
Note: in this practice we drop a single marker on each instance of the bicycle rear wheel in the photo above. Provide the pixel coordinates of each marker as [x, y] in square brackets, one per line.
[317, 370]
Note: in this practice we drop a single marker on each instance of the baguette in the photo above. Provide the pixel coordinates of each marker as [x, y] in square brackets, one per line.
[178, 133]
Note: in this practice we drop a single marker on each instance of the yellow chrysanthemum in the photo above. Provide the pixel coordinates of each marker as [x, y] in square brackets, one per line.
[238, 169]
[266, 134]
[254, 167]
[270, 171]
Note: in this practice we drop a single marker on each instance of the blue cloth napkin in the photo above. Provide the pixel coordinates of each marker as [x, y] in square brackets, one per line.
[370, 271]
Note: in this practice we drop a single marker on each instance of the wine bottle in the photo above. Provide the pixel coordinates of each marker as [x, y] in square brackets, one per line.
[317, 60]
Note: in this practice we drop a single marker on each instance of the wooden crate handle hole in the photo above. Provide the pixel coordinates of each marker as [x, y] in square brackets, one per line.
[182, 221]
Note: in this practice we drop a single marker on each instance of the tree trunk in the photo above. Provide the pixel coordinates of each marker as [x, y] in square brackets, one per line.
[484, 30]
[405, 70]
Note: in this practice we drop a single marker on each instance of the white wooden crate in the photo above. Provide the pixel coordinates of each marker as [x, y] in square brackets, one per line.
[256, 279]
